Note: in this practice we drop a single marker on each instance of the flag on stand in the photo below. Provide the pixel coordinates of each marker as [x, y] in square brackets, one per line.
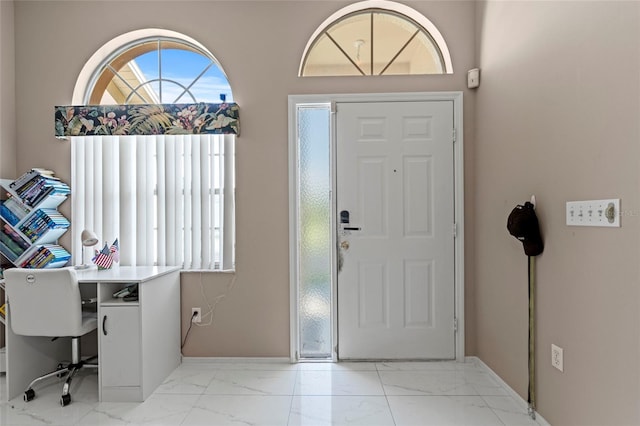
[115, 251]
[103, 258]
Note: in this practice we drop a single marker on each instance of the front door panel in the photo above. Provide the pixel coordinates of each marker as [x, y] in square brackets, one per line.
[396, 253]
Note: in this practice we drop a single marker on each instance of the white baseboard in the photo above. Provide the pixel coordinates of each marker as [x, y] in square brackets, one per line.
[237, 360]
[515, 395]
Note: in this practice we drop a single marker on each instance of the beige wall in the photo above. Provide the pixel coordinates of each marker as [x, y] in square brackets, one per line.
[7, 99]
[557, 116]
[259, 45]
[7, 91]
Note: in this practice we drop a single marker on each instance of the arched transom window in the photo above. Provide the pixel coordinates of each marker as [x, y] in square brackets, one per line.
[159, 70]
[376, 38]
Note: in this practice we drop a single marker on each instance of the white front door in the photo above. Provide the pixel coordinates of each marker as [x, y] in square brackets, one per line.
[395, 181]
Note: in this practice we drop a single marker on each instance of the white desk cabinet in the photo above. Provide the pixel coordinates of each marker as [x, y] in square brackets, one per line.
[138, 341]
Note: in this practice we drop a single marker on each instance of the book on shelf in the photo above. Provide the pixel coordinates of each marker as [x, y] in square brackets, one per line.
[40, 187]
[41, 222]
[26, 177]
[31, 222]
[36, 193]
[47, 256]
[12, 247]
[15, 237]
[8, 215]
[12, 210]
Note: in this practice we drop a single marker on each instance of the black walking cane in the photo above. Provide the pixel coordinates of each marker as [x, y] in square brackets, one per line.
[523, 224]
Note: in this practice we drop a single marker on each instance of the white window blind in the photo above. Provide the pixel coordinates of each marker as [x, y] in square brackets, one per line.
[168, 199]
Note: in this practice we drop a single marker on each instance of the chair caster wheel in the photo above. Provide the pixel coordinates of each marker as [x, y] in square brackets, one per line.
[60, 367]
[65, 400]
[29, 394]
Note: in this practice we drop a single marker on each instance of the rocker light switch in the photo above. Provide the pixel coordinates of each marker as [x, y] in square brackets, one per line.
[594, 213]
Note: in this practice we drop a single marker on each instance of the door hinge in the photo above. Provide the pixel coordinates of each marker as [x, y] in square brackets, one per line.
[454, 134]
[455, 325]
[455, 230]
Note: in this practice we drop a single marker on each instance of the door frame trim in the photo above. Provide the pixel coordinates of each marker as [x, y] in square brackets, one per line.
[458, 158]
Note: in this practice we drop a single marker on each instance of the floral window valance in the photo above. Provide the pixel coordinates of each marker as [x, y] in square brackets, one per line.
[147, 119]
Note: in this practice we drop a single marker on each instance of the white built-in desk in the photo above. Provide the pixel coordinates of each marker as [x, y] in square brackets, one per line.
[138, 341]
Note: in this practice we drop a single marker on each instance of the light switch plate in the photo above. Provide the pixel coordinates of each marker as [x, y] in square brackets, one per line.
[594, 213]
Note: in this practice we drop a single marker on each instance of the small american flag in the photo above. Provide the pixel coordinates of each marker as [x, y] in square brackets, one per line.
[103, 259]
[115, 251]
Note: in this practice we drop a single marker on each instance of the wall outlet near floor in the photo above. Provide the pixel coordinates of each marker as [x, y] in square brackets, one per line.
[556, 357]
[197, 318]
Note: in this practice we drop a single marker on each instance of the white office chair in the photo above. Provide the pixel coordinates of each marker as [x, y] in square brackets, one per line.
[47, 302]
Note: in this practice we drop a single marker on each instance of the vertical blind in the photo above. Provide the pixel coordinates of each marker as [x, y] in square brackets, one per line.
[169, 199]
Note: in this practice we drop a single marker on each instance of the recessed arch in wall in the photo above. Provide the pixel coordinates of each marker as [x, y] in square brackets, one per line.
[376, 37]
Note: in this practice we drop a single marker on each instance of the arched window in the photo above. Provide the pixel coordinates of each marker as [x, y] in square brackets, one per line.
[376, 38]
[158, 70]
[167, 191]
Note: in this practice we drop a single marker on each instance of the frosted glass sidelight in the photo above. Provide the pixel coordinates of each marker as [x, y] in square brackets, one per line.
[314, 231]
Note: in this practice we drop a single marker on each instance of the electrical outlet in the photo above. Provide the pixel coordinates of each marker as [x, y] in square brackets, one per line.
[197, 318]
[556, 357]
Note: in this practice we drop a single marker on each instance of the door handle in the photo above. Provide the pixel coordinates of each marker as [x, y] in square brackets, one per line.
[345, 229]
[104, 325]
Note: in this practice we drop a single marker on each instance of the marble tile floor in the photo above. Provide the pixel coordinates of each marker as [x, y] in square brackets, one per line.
[282, 394]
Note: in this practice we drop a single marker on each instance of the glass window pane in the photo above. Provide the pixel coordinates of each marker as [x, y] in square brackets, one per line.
[130, 75]
[120, 86]
[353, 35]
[147, 63]
[374, 42]
[314, 209]
[146, 93]
[419, 57]
[390, 34]
[211, 85]
[101, 85]
[176, 79]
[326, 59]
[177, 73]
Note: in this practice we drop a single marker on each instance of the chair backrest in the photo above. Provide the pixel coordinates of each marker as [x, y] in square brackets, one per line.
[44, 302]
